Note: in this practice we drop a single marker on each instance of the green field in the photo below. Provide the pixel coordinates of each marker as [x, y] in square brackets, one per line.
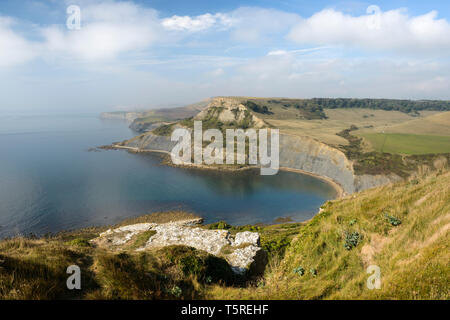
[401, 143]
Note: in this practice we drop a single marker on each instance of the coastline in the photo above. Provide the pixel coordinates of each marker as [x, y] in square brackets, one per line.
[335, 185]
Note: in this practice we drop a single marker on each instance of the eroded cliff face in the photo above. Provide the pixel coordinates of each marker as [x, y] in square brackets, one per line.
[296, 152]
[308, 155]
[149, 141]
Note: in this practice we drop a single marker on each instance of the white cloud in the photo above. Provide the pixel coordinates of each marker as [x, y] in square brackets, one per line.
[107, 30]
[14, 49]
[390, 30]
[122, 33]
[198, 23]
[246, 24]
[256, 25]
[285, 52]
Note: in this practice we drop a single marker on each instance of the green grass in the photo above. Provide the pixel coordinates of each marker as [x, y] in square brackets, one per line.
[141, 239]
[399, 143]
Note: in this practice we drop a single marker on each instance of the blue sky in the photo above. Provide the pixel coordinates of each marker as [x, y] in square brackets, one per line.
[146, 54]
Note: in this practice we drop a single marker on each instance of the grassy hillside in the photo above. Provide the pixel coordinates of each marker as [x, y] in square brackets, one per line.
[325, 130]
[434, 124]
[402, 228]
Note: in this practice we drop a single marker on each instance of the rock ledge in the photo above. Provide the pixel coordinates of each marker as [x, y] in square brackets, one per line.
[243, 251]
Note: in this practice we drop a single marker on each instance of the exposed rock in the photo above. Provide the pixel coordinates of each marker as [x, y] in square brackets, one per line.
[249, 260]
[246, 237]
[243, 252]
[141, 127]
[122, 235]
[229, 110]
[150, 141]
[211, 241]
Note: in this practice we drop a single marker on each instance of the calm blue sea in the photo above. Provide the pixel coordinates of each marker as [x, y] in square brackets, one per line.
[50, 182]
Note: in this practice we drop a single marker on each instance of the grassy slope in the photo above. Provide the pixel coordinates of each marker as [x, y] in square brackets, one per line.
[407, 143]
[325, 130]
[430, 134]
[413, 257]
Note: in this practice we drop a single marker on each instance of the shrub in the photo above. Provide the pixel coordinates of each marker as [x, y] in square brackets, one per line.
[79, 243]
[394, 221]
[277, 246]
[351, 240]
[176, 291]
[219, 225]
[299, 270]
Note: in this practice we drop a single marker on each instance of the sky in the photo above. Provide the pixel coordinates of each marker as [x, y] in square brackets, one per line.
[130, 55]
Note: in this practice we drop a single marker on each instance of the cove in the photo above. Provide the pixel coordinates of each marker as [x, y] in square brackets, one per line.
[50, 182]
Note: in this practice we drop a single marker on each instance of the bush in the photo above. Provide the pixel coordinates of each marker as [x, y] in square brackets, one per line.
[351, 240]
[277, 246]
[176, 291]
[299, 270]
[79, 243]
[219, 225]
[394, 221]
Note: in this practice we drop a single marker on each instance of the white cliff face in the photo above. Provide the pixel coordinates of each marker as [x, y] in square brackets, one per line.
[243, 252]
